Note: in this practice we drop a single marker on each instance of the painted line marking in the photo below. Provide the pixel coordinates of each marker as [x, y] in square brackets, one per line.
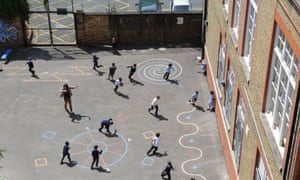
[41, 162]
[148, 134]
[49, 135]
[180, 140]
[121, 117]
[148, 161]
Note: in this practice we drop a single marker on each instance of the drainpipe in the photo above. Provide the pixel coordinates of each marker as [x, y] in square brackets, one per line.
[204, 24]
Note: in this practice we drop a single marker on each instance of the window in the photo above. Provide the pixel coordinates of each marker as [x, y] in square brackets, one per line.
[226, 6]
[281, 87]
[221, 63]
[236, 17]
[260, 170]
[238, 132]
[249, 31]
[228, 95]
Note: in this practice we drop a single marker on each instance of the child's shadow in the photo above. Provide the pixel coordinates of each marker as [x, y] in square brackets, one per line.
[173, 81]
[136, 82]
[159, 154]
[76, 118]
[72, 164]
[160, 117]
[109, 134]
[125, 96]
[199, 108]
[100, 73]
[102, 169]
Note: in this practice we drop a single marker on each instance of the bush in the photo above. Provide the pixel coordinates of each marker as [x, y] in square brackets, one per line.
[10, 9]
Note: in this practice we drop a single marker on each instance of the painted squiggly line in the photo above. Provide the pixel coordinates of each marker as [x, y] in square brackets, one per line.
[189, 147]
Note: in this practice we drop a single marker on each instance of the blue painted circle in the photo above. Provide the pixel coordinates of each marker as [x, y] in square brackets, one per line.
[195, 167]
[152, 71]
[83, 149]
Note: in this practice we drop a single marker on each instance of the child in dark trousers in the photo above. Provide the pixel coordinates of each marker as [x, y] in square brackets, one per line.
[167, 171]
[106, 124]
[95, 62]
[112, 70]
[66, 153]
[30, 66]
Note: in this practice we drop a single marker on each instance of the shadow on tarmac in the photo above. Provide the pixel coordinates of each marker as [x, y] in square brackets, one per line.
[76, 118]
[100, 73]
[72, 164]
[159, 117]
[136, 82]
[159, 154]
[125, 96]
[102, 170]
[173, 81]
[199, 108]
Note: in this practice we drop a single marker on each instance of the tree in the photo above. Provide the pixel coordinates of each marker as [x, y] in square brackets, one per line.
[10, 9]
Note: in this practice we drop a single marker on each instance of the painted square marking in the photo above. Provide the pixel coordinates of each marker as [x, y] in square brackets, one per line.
[49, 134]
[121, 117]
[148, 134]
[3, 178]
[40, 162]
[147, 161]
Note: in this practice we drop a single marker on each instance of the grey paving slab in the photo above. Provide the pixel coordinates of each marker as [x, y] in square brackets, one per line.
[34, 124]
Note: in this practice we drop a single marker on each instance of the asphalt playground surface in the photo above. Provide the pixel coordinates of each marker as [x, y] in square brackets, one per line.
[34, 124]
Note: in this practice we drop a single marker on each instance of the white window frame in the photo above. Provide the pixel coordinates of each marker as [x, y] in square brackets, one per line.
[260, 170]
[221, 63]
[228, 96]
[249, 33]
[226, 5]
[236, 18]
[238, 133]
[281, 87]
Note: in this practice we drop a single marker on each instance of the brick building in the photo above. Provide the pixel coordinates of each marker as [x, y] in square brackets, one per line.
[252, 51]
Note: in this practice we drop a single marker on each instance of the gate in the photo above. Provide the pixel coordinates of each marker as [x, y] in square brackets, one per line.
[55, 26]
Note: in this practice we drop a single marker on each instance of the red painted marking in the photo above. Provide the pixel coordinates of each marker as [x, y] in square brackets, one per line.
[73, 154]
[102, 160]
[186, 129]
[91, 137]
[113, 152]
[80, 143]
[114, 143]
[86, 160]
[189, 153]
[121, 117]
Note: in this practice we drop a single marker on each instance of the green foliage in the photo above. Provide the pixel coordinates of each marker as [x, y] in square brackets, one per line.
[9, 9]
[2, 151]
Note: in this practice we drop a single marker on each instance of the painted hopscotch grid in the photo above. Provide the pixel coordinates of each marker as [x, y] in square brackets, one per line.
[49, 134]
[41, 162]
[148, 161]
[148, 134]
[121, 117]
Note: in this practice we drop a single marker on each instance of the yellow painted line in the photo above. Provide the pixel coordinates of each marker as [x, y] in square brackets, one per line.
[126, 4]
[79, 70]
[56, 76]
[148, 134]
[17, 74]
[41, 162]
[44, 81]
